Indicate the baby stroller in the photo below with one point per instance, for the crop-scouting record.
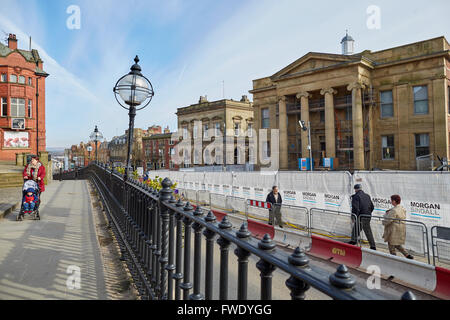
(37, 193)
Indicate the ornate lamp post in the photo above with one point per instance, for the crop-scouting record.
(134, 90)
(305, 128)
(96, 136)
(89, 149)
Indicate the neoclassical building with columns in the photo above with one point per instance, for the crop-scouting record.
(368, 110)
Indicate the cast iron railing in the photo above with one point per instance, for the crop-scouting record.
(154, 235)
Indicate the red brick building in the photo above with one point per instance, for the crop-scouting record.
(157, 152)
(22, 101)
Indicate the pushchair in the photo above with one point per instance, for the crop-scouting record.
(37, 192)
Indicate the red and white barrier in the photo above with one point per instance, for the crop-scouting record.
(435, 280)
(259, 204)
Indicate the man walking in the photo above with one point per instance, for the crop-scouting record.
(362, 205)
(274, 198)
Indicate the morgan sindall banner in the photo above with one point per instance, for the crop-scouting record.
(425, 195)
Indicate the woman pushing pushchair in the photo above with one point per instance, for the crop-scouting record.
(33, 175)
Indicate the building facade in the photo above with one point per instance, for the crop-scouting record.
(22, 101)
(118, 147)
(382, 109)
(206, 122)
(157, 152)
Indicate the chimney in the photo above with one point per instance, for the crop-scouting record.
(12, 41)
(244, 99)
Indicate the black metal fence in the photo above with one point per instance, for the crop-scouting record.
(154, 234)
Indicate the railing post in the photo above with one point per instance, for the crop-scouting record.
(154, 246)
(266, 268)
(209, 268)
(224, 247)
(342, 279)
(171, 266)
(187, 285)
(242, 255)
(179, 255)
(164, 197)
(148, 241)
(196, 295)
(298, 287)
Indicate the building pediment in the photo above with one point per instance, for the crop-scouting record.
(314, 62)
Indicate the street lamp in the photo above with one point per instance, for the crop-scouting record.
(304, 128)
(89, 149)
(95, 136)
(134, 90)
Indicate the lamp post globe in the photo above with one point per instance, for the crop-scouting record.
(133, 92)
(89, 149)
(96, 136)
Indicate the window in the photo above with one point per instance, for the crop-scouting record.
(250, 130)
(420, 100)
(17, 107)
(194, 131)
(4, 107)
(3, 77)
(265, 121)
(30, 82)
(22, 79)
(217, 129)
(205, 130)
(387, 145)
(386, 104)
(172, 151)
(448, 100)
(13, 78)
(422, 144)
(322, 116)
(171, 166)
(236, 129)
(185, 133)
(30, 109)
(348, 113)
(266, 150)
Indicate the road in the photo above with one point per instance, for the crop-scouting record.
(37, 258)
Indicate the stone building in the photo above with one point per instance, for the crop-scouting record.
(206, 121)
(22, 101)
(380, 109)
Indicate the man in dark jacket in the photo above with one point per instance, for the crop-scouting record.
(274, 198)
(362, 205)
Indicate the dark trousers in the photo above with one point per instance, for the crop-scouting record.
(364, 224)
(275, 214)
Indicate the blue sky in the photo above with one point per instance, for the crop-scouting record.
(188, 47)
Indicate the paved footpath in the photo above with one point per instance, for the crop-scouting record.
(37, 258)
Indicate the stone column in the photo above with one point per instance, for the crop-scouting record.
(304, 96)
(282, 125)
(357, 124)
(330, 135)
(438, 105)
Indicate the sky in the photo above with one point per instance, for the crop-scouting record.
(190, 48)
